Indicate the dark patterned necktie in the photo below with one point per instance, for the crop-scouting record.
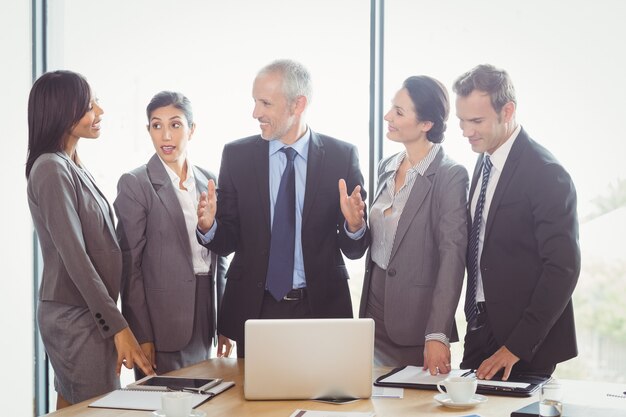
(471, 310)
(283, 240)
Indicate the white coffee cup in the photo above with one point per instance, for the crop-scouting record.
(176, 404)
(460, 389)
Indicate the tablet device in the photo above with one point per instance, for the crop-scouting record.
(178, 383)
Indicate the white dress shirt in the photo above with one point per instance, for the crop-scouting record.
(498, 159)
(188, 200)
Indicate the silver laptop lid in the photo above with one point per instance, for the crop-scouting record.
(308, 358)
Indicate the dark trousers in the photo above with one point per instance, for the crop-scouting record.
(480, 344)
(283, 309)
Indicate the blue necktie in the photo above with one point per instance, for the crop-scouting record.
(283, 241)
(471, 310)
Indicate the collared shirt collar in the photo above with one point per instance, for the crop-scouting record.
(301, 145)
(188, 182)
(498, 158)
(420, 167)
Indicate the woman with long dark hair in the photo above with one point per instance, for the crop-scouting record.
(85, 335)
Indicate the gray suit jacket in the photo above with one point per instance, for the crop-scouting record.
(426, 267)
(82, 262)
(159, 285)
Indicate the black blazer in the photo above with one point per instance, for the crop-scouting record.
(243, 227)
(530, 260)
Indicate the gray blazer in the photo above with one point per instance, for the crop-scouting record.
(159, 285)
(82, 262)
(427, 263)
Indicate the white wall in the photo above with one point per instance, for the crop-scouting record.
(16, 306)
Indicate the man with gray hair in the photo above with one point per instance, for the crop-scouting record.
(284, 208)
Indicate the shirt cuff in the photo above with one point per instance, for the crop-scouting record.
(440, 337)
(208, 236)
(356, 235)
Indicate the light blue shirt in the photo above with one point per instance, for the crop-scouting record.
(277, 164)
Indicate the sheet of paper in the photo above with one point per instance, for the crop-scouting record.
(417, 375)
(316, 413)
(387, 392)
(507, 384)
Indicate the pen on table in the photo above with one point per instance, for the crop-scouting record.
(192, 390)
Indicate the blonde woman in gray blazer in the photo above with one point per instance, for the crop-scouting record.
(415, 266)
(86, 337)
(171, 283)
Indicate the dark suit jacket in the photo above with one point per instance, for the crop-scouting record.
(158, 284)
(243, 227)
(427, 262)
(530, 260)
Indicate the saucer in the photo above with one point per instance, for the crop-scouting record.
(444, 400)
(194, 413)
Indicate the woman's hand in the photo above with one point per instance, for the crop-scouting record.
(436, 357)
(150, 352)
(224, 346)
(130, 353)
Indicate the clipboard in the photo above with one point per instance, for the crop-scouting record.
(518, 385)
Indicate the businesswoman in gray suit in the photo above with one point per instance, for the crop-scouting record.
(171, 284)
(415, 266)
(86, 337)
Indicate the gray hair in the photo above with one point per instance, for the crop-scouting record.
(296, 78)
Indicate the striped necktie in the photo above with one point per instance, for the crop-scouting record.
(471, 310)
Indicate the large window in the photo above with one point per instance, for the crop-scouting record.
(566, 60)
(567, 63)
(210, 51)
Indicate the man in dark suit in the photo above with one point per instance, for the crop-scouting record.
(327, 221)
(523, 254)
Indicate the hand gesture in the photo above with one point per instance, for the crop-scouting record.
(207, 206)
(129, 352)
(352, 206)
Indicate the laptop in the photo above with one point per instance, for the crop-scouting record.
(571, 410)
(293, 359)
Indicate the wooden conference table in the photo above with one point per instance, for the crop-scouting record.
(414, 403)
